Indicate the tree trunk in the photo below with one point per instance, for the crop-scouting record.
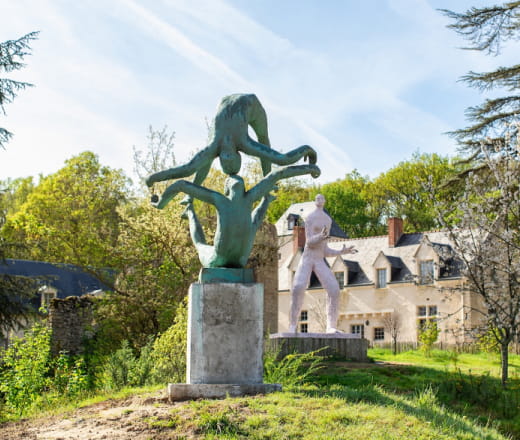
(395, 346)
(504, 354)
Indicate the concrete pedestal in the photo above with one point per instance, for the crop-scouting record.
(225, 342)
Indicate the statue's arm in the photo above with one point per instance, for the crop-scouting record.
(200, 162)
(195, 191)
(259, 213)
(344, 250)
(316, 238)
(269, 181)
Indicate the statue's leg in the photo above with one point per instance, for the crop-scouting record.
(201, 161)
(300, 283)
(266, 153)
(330, 284)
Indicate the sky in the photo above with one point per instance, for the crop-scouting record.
(366, 83)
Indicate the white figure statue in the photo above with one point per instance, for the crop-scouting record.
(317, 230)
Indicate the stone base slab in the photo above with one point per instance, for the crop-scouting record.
(343, 345)
(316, 335)
(185, 391)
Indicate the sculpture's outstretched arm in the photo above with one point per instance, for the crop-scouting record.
(268, 182)
(195, 191)
(266, 153)
(345, 250)
(200, 164)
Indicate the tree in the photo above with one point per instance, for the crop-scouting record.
(484, 228)
(154, 254)
(405, 190)
(348, 204)
(495, 123)
(12, 53)
(392, 324)
(289, 191)
(71, 216)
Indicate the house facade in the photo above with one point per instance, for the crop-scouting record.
(395, 280)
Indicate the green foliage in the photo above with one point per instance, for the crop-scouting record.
(169, 350)
(348, 203)
(289, 191)
(12, 54)
(25, 367)
(123, 368)
(158, 263)
(428, 334)
(72, 215)
(361, 206)
(70, 375)
(405, 190)
(293, 370)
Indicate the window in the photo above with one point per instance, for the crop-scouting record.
(379, 333)
(340, 277)
(426, 272)
(47, 296)
(358, 329)
(304, 325)
(381, 278)
(426, 314)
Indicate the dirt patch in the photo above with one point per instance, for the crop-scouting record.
(135, 418)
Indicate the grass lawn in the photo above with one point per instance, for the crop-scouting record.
(445, 396)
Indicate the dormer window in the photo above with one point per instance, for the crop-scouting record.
(340, 277)
(426, 272)
(292, 221)
(381, 278)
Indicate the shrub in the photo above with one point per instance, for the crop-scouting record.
(26, 364)
(169, 350)
(429, 332)
(292, 370)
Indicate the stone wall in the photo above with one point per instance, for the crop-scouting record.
(264, 262)
(71, 322)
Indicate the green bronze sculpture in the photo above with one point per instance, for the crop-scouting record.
(229, 137)
(237, 219)
(236, 224)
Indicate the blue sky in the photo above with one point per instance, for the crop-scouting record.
(366, 83)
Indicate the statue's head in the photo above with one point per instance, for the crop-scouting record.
(319, 200)
(234, 184)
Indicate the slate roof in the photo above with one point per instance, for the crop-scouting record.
(401, 258)
(67, 279)
(303, 210)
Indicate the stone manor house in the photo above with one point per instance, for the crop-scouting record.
(404, 275)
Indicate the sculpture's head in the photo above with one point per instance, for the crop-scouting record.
(319, 200)
(234, 185)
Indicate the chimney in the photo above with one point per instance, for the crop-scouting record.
(298, 238)
(395, 230)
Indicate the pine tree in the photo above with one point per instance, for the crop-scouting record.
(494, 123)
(12, 53)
